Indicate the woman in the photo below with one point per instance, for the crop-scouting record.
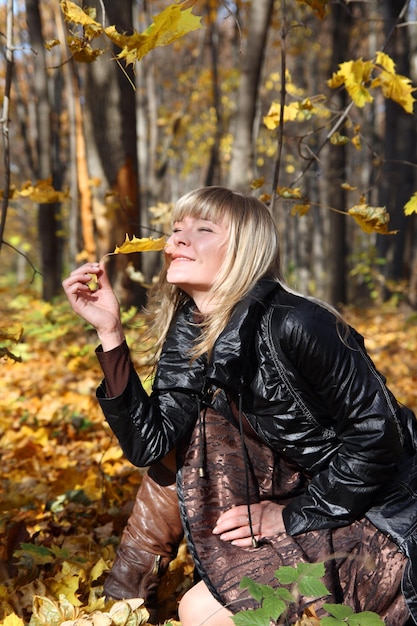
(289, 447)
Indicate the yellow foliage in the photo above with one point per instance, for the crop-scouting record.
(257, 183)
(411, 206)
(169, 25)
(309, 618)
(397, 88)
(144, 244)
(300, 209)
(358, 78)
(42, 192)
(81, 51)
(289, 193)
(273, 118)
(13, 620)
(63, 613)
(85, 18)
(371, 219)
(319, 6)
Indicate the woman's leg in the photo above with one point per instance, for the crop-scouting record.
(199, 608)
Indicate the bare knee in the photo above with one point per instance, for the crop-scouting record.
(199, 608)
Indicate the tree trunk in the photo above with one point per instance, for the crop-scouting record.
(48, 162)
(336, 172)
(397, 177)
(111, 102)
(241, 166)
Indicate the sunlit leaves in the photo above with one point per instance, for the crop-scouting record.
(48, 612)
(319, 7)
(360, 77)
(144, 244)
(371, 219)
(172, 23)
(411, 206)
(41, 192)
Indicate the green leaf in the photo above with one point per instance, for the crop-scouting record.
(284, 595)
(286, 575)
(311, 569)
(367, 618)
(331, 621)
(256, 617)
(312, 588)
(256, 590)
(340, 611)
(274, 607)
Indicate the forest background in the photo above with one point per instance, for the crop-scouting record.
(111, 114)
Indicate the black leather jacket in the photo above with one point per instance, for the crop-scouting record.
(309, 390)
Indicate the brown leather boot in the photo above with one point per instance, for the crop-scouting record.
(149, 541)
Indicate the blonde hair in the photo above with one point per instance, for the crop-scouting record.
(252, 252)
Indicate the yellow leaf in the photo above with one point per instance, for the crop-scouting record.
(66, 583)
(411, 206)
(81, 51)
(100, 567)
(257, 183)
(339, 140)
(348, 187)
(51, 43)
(385, 61)
(289, 193)
(397, 88)
(273, 117)
(42, 192)
(308, 618)
(371, 219)
(319, 6)
(355, 75)
(300, 209)
(172, 23)
(74, 13)
(140, 245)
(12, 620)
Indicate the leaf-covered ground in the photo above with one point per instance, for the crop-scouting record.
(65, 488)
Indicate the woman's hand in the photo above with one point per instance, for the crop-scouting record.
(233, 525)
(99, 308)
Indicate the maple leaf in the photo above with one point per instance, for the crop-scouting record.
(144, 244)
(290, 193)
(397, 88)
(371, 219)
(273, 118)
(42, 192)
(81, 51)
(77, 15)
(319, 6)
(354, 75)
(300, 209)
(411, 205)
(172, 23)
(13, 620)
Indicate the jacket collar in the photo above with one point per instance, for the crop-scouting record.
(234, 350)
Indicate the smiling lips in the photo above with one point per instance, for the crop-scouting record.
(180, 258)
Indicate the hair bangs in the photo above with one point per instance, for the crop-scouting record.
(209, 203)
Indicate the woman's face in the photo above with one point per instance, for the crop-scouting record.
(195, 253)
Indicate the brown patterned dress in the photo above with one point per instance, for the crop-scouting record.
(363, 567)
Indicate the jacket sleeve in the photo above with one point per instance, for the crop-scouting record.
(333, 366)
(150, 426)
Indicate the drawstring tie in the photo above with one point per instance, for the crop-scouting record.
(202, 437)
(255, 543)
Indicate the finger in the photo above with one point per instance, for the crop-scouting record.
(235, 513)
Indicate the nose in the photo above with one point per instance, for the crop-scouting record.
(179, 237)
